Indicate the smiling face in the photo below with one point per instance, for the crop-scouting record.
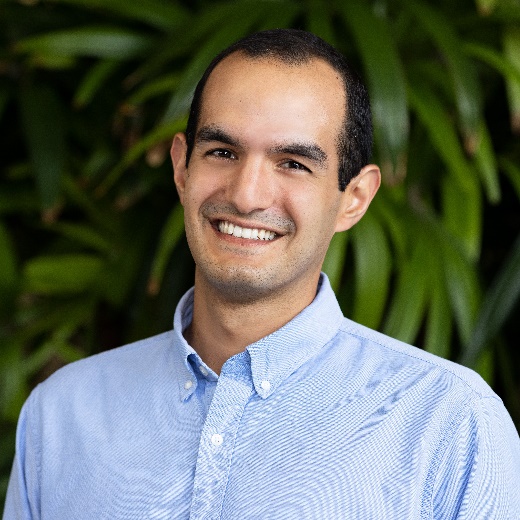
(260, 194)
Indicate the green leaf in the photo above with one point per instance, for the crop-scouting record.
(101, 159)
(487, 164)
(280, 17)
(43, 123)
(62, 274)
(507, 373)
(373, 266)
(14, 387)
(185, 41)
(56, 348)
(100, 42)
(439, 316)
(118, 279)
(93, 81)
(441, 130)
(162, 132)
(466, 86)
(462, 214)
(512, 51)
(507, 11)
(486, 7)
(485, 366)
(409, 303)
(335, 259)
(462, 286)
(84, 235)
(319, 20)
(395, 217)
(166, 83)
(8, 271)
(512, 171)
(156, 13)
(96, 213)
(500, 62)
(496, 307)
(18, 200)
(170, 235)
(42, 318)
(385, 79)
(462, 204)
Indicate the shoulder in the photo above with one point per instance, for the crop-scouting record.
(109, 371)
(397, 355)
(455, 410)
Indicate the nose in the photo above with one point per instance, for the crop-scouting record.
(252, 186)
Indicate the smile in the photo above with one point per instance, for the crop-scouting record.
(242, 232)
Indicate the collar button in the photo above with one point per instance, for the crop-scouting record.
(265, 385)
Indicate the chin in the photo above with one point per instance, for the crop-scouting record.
(241, 284)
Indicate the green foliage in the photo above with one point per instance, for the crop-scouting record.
(92, 250)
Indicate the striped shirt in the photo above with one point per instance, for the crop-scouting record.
(323, 419)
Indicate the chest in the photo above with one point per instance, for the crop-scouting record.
(301, 453)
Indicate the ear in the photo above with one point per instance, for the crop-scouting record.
(178, 155)
(357, 197)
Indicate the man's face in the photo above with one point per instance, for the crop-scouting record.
(260, 194)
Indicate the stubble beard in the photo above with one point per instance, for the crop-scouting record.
(238, 284)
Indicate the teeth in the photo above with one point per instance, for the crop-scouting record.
(240, 232)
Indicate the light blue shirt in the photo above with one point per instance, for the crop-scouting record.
(323, 419)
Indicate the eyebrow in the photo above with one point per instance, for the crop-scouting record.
(214, 133)
(312, 152)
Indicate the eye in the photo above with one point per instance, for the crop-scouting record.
(221, 153)
(294, 165)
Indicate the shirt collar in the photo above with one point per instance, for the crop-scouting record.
(182, 351)
(276, 356)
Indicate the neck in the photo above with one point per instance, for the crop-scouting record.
(222, 328)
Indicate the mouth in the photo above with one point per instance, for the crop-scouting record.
(228, 228)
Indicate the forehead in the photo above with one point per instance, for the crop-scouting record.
(275, 98)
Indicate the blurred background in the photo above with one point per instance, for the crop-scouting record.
(92, 249)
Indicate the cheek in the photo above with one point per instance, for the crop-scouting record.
(199, 188)
(315, 209)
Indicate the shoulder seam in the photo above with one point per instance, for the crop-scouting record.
(344, 327)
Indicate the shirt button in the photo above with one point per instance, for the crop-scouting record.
(203, 370)
(188, 384)
(266, 385)
(216, 439)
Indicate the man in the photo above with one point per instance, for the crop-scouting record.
(264, 402)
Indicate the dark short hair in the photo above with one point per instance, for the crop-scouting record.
(296, 47)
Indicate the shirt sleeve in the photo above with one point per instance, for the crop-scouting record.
(23, 489)
(479, 474)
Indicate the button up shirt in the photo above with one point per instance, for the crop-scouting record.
(322, 419)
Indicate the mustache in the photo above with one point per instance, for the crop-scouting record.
(212, 210)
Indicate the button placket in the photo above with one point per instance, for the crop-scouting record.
(216, 445)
